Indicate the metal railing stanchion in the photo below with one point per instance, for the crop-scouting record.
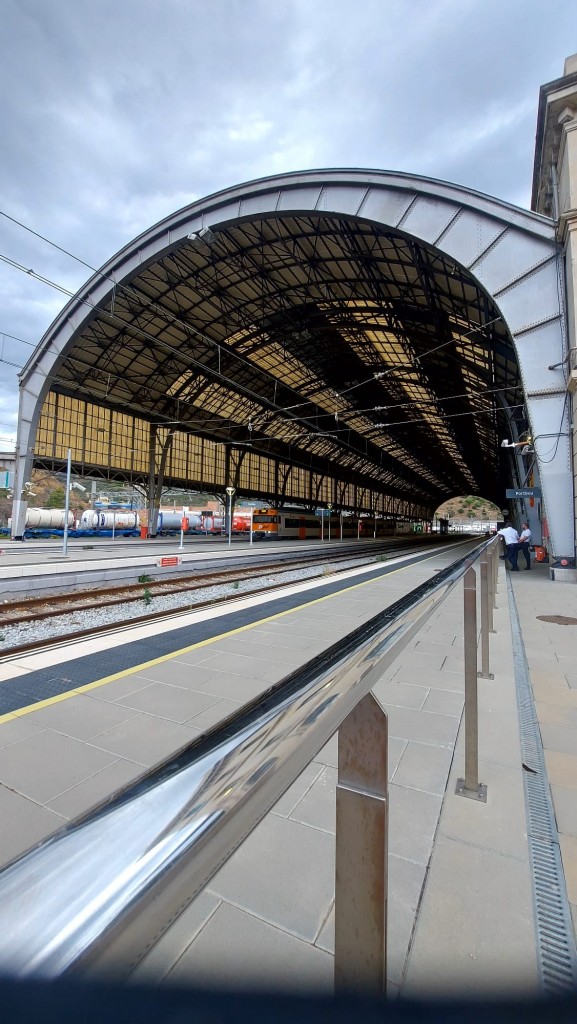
(490, 555)
(361, 850)
(486, 617)
(470, 786)
(495, 548)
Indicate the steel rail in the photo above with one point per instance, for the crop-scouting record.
(51, 605)
(97, 896)
(106, 629)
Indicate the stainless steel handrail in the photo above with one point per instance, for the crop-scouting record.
(98, 894)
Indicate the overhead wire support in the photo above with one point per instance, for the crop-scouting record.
(136, 296)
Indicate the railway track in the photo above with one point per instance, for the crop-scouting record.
(37, 610)
(33, 608)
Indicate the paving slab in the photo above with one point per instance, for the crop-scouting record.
(444, 702)
(44, 766)
(424, 766)
(236, 950)
(284, 874)
(500, 824)
(80, 798)
(422, 726)
(475, 933)
(401, 695)
(562, 768)
(145, 739)
(29, 823)
(317, 806)
(565, 804)
(171, 947)
(166, 701)
(413, 817)
(81, 717)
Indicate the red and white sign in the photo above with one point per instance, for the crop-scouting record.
(167, 560)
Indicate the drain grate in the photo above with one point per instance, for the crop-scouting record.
(556, 952)
(559, 620)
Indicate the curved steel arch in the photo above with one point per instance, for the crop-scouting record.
(511, 253)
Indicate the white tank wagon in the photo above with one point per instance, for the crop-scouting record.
(122, 519)
(47, 518)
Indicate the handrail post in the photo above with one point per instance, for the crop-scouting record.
(495, 549)
(361, 850)
(486, 617)
(470, 786)
(488, 555)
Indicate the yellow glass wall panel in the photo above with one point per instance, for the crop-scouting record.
(113, 440)
(45, 434)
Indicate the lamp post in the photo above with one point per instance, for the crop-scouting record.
(341, 523)
(229, 493)
(330, 508)
(251, 523)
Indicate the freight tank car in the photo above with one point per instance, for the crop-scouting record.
(48, 518)
(95, 519)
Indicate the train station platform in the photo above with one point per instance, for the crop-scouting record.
(461, 893)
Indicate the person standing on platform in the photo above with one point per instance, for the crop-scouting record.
(511, 541)
(525, 543)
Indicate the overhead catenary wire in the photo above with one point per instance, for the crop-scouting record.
(187, 360)
(170, 318)
(378, 375)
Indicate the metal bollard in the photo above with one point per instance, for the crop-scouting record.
(495, 551)
(470, 786)
(486, 618)
(361, 850)
(491, 582)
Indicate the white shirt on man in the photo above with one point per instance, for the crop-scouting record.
(525, 536)
(509, 535)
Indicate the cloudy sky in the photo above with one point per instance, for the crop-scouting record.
(117, 112)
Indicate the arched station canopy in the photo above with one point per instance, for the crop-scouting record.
(319, 337)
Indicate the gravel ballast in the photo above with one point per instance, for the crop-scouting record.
(93, 618)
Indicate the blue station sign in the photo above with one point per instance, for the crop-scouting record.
(523, 492)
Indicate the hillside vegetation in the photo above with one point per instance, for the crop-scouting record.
(469, 507)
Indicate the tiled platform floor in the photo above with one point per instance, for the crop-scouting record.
(460, 912)
(552, 656)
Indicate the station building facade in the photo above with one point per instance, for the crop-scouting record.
(555, 196)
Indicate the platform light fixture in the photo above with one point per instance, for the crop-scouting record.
(205, 235)
(525, 444)
(229, 493)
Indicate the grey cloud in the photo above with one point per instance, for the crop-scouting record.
(116, 113)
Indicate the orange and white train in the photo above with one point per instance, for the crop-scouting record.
(298, 524)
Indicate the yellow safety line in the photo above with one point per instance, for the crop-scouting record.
(192, 647)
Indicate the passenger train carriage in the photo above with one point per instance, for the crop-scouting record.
(299, 524)
(272, 524)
